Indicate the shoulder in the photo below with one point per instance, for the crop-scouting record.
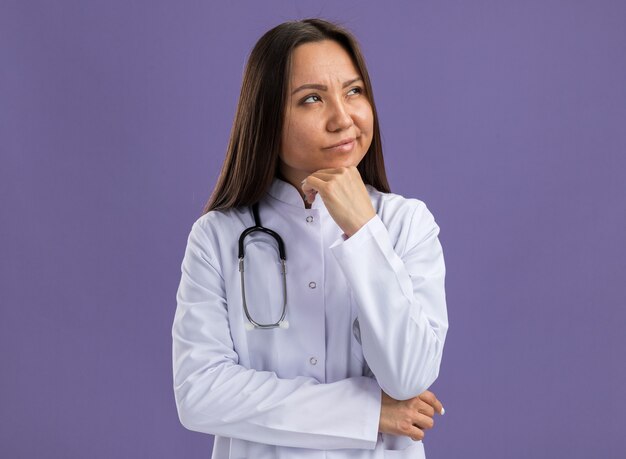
(221, 219)
(216, 227)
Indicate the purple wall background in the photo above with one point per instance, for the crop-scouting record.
(507, 118)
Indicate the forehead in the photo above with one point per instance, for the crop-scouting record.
(315, 61)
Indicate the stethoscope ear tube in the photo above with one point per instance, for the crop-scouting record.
(258, 227)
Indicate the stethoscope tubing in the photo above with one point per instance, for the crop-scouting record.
(281, 323)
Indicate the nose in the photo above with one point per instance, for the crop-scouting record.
(339, 118)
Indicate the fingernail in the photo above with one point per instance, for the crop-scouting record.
(443, 411)
(303, 181)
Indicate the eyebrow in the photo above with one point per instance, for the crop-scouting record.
(322, 87)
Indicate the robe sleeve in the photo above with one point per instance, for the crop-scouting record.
(401, 301)
(216, 395)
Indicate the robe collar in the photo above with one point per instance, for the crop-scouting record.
(288, 194)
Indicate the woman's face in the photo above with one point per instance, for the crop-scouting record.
(326, 104)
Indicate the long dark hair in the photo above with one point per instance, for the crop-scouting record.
(251, 161)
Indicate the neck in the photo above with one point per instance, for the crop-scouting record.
(295, 182)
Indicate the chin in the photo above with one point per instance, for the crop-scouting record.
(340, 162)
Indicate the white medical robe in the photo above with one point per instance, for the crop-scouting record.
(365, 313)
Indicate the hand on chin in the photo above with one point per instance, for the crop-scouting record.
(344, 195)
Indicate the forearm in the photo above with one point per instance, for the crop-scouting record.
(401, 306)
(258, 406)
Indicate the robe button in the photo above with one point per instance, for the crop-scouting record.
(309, 218)
(312, 284)
(313, 361)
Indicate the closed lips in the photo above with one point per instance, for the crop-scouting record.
(342, 142)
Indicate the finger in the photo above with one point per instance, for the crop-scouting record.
(425, 408)
(311, 184)
(428, 397)
(439, 408)
(432, 400)
(323, 176)
(436, 404)
(423, 422)
(310, 197)
(416, 434)
(326, 176)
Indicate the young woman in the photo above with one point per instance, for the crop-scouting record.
(311, 313)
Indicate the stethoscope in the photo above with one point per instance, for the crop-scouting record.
(252, 324)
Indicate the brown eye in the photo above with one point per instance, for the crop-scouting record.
(304, 101)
